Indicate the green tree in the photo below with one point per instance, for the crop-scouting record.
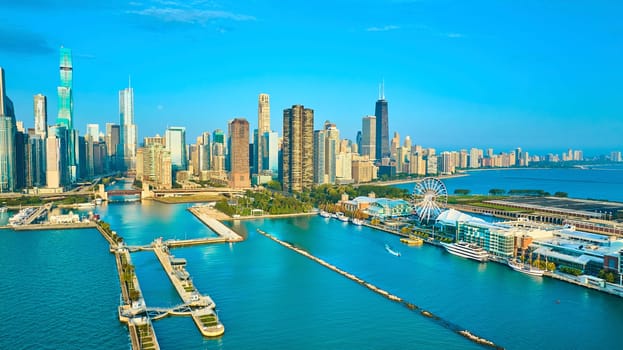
(561, 194)
(496, 191)
(462, 192)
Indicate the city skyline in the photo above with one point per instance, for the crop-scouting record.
(506, 83)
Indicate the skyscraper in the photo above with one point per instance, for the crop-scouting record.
(263, 126)
(368, 137)
(175, 137)
(41, 115)
(297, 149)
(7, 140)
(65, 115)
(113, 138)
(238, 140)
(332, 139)
(319, 157)
(382, 126)
(127, 130)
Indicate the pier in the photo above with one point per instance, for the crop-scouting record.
(204, 214)
(132, 310)
(447, 324)
(201, 307)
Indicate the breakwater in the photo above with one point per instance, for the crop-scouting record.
(443, 322)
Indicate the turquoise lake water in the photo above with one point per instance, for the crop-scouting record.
(60, 290)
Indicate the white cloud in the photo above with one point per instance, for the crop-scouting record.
(190, 16)
(383, 29)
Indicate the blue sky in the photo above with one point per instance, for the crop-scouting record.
(544, 75)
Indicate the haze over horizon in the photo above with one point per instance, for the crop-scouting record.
(484, 73)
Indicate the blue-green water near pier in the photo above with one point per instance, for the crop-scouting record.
(60, 290)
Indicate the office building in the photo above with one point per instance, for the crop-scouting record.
(8, 171)
(297, 149)
(65, 116)
(319, 157)
(270, 153)
(263, 126)
(113, 145)
(41, 115)
(238, 142)
(382, 126)
(175, 138)
(128, 131)
(332, 146)
(368, 137)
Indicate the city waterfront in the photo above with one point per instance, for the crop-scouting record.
(596, 182)
(271, 297)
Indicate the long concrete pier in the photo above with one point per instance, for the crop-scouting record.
(132, 311)
(202, 306)
(205, 215)
(455, 328)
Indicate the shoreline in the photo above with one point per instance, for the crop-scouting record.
(406, 181)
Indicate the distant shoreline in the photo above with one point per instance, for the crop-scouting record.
(406, 181)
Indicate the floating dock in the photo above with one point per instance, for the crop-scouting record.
(201, 306)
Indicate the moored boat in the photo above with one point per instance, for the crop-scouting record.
(324, 214)
(412, 241)
(341, 216)
(356, 221)
(467, 250)
(525, 268)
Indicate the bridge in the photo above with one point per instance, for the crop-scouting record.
(124, 192)
(177, 243)
(157, 313)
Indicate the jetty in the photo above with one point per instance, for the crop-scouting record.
(205, 214)
(447, 324)
(132, 310)
(201, 307)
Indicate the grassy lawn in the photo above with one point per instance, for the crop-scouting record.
(190, 198)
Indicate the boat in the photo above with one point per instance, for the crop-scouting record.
(525, 268)
(356, 221)
(412, 241)
(467, 250)
(341, 216)
(391, 251)
(324, 214)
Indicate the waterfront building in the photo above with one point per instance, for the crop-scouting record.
(615, 156)
(431, 164)
(41, 115)
(128, 131)
(368, 137)
(8, 171)
(447, 163)
(384, 208)
(154, 164)
(319, 157)
(332, 139)
(363, 169)
(113, 138)
(263, 126)
(238, 142)
(175, 138)
(343, 168)
(270, 153)
(36, 158)
(475, 155)
(417, 164)
(382, 126)
(297, 149)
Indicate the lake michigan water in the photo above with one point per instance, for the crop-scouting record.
(60, 289)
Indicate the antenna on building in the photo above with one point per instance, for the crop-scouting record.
(383, 89)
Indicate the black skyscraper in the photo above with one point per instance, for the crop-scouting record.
(382, 127)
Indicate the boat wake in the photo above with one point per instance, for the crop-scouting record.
(391, 251)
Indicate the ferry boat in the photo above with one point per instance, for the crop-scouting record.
(391, 251)
(525, 268)
(467, 250)
(412, 241)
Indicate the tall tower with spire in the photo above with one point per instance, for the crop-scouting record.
(128, 133)
(382, 125)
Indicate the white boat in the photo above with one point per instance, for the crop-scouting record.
(324, 214)
(341, 216)
(467, 250)
(356, 221)
(391, 251)
(525, 268)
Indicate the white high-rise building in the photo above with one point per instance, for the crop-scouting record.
(128, 132)
(41, 115)
(263, 126)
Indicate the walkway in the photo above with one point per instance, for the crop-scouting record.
(207, 216)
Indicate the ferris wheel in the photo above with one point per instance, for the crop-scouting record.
(429, 197)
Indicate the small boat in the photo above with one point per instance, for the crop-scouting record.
(525, 268)
(324, 214)
(412, 241)
(341, 216)
(356, 221)
(391, 251)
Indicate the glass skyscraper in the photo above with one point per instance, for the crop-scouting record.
(128, 132)
(175, 137)
(7, 140)
(65, 115)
